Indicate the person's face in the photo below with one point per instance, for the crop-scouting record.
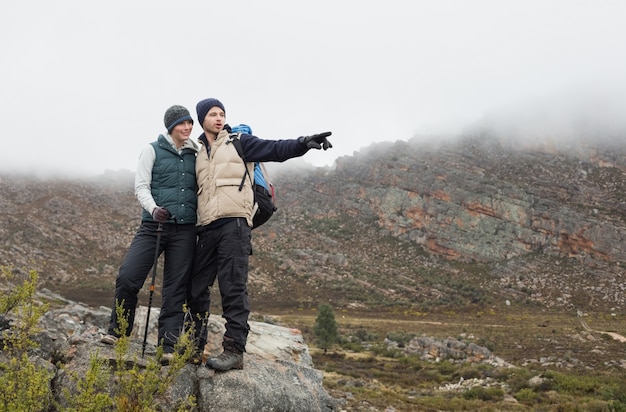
(214, 120)
(181, 132)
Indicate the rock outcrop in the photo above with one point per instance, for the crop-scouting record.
(278, 373)
(478, 199)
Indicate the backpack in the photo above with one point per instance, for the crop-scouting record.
(264, 194)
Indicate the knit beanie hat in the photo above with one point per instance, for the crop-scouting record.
(203, 107)
(175, 115)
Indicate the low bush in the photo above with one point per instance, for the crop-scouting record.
(125, 386)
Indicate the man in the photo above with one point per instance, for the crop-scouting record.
(225, 211)
(165, 185)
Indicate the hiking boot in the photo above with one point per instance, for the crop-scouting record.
(227, 360)
(109, 339)
(166, 358)
(231, 358)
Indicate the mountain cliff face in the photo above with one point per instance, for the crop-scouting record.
(405, 226)
(478, 200)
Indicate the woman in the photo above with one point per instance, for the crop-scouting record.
(165, 185)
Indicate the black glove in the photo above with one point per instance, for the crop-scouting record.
(160, 214)
(316, 141)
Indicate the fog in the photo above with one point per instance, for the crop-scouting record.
(582, 114)
(85, 85)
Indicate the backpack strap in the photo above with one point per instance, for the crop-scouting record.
(234, 139)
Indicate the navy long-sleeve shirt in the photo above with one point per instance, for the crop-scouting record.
(262, 150)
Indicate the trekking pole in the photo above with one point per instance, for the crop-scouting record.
(154, 271)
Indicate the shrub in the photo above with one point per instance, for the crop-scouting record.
(25, 384)
(526, 396)
(92, 393)
(128, 386)
(469, 372)
(574, 384)
(401, 337)
(484, 394)
(616, 406)
(365, 336)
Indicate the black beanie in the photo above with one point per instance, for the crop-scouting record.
(175, 115)
(203, 107)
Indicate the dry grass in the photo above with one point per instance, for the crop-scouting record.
(536, 343)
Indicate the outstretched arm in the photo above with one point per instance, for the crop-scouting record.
(261, 150)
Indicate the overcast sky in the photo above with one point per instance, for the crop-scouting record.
(84, 85)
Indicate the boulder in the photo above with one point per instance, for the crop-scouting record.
(278, 372)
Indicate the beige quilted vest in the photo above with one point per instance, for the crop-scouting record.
(219, 177)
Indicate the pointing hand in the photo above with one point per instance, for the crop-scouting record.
(317, 141)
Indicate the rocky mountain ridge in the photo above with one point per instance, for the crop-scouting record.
(407, 225)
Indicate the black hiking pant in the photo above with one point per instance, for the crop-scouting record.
(222, 253)
(178, 243)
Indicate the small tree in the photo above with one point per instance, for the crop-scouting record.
(326, 327)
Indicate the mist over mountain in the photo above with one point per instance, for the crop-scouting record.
(585, 114)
